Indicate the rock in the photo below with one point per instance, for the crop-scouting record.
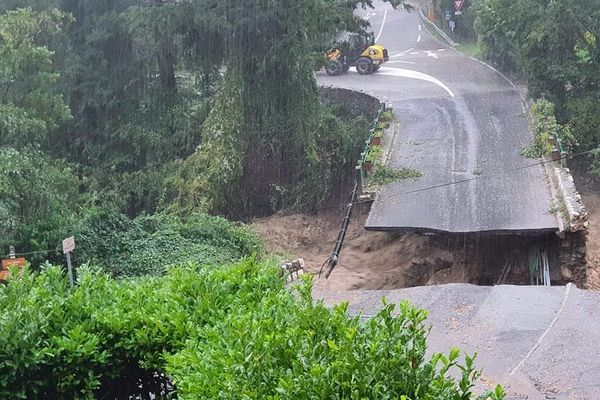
(566, 273)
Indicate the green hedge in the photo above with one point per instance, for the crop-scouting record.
(148, 244)
(544, 127)
(228, 333)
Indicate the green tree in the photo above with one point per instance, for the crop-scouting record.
(38, 196)
(554, 45)
(31, 106)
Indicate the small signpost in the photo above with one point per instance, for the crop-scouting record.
(13, 261)
(458, 4)
(68, 246)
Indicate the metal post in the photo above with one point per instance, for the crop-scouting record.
(359, 179)
(70, 268)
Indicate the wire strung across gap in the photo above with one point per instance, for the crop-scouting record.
(498, 174)
(29, 253)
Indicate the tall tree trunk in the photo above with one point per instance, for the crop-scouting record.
(166, 60)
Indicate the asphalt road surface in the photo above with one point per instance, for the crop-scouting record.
(457, 120)
(538, 342)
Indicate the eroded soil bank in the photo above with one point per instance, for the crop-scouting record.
(381, 260)
(589, 188)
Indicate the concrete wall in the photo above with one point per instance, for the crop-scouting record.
(355, 103)
(572, 256)
(574, 219)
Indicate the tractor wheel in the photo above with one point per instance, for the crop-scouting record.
(364, 66)
(376, 68)
(345, 68)
(334, 67)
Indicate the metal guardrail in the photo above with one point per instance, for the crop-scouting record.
(437, 29)
(365, 153)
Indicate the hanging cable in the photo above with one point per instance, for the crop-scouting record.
(333, 259)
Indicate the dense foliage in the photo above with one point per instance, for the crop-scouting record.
(149, 244)
(546, 130)
(31, 107)
(34, 192)
(232, 332)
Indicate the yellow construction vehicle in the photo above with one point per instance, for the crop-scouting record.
(355, 50)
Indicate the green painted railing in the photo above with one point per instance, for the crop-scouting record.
(365, 153)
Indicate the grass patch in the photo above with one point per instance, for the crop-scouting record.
(384, 175)
(470, 49)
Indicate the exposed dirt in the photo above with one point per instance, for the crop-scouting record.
(380, 260)
(589, 188)
(592, 203)
(369, 260)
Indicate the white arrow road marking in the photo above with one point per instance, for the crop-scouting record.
(418, 38)
(382, 25)
(431, 54)
(420, 27)
(402, 53)
(407, 73)
(441, 49)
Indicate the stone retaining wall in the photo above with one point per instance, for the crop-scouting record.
(573, 258)
(573, 222)
(354, 102)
